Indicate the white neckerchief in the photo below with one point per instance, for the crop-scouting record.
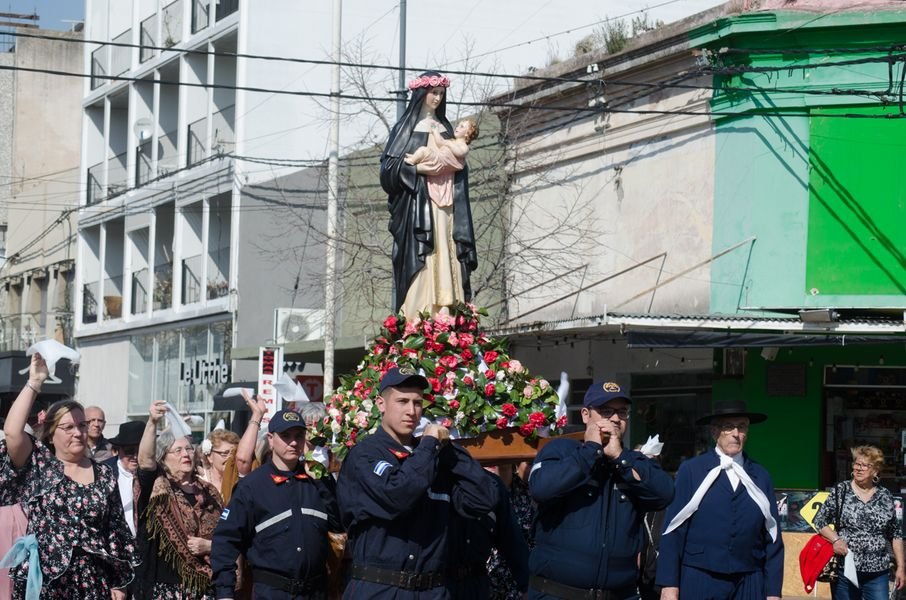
(731, 473)
(125, 484)
(732, 466)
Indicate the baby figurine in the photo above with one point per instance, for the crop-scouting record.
(441, 156)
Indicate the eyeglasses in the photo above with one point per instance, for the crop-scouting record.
(861, 466)
(223, 453)
(181, 449)
(729, 427)
(607, 412)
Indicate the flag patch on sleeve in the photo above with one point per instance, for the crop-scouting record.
(381, 467)
(225, 514)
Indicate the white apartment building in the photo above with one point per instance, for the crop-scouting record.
(172, 233)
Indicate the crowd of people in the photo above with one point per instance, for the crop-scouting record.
(147, 515)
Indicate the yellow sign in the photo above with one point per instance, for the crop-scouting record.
(810, 508)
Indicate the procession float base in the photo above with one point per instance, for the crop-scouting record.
(508, 446)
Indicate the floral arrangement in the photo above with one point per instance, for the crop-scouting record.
(475, 385)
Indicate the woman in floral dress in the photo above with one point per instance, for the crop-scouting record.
(178, 514)
(84, 546)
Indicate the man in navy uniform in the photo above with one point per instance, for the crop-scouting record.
(398, 495)
(591, 498)
(722, 539)
(278, 518)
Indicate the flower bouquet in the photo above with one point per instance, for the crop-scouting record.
(475, 386)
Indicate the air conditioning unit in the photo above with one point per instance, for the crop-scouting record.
(298, 324)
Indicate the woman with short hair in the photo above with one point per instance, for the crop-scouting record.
(867, 527)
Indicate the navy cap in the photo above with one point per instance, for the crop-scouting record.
(600, 394)
(402, 376)
(285, 419)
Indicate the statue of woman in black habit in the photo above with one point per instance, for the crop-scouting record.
(433, 239)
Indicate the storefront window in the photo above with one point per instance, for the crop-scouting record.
(183, 366)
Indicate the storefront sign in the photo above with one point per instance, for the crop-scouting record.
(204, 372)
(811, 507)
(270, 365)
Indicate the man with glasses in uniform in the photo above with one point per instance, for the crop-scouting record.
(592, 496)
(722, 539)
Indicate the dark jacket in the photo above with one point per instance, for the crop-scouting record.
(727, 533)
(589, 529)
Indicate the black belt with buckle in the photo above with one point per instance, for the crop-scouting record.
(568, 592)
(288, 584)
(407, 580)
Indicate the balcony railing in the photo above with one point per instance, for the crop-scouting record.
(117, 176)
(191, 280)
(90, 293)
(226, 7)
(143, 172)
(95, 184)
(139, 292)
(19, 332)
(218, 273)
(197, 136)
(201, 17)
(99, 60)
(121, 56)
(223, 135)
(171, 24)
(162, 297)
(148, 39)
(167, 159)
(113, 297)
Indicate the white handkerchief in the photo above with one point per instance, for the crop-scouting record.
(177, 425)
(653, 446)
(849, 568)
(290, 389)
(237, 391)
(52, 351)
(319, 453)
(562, 394)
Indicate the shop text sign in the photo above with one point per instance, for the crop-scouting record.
(204, 372)
(270, 365)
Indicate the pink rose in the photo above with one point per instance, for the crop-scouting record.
(449, 361)
(391, 323)
(434, 81)
(515, 366)
(528, 391)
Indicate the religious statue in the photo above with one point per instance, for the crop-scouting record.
(424, 173)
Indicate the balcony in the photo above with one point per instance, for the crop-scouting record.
(148, 39)
(95, 187)
(117, 176)
(162, 297)
(171, 24)
(113, 297)
(201, 17)
(99, 60)
(226, 7)
(143, 173)
(191, 280)
(167, 159)
(19, 332)
(139, 292)
(223, 135)
(121, 56)
(90, 293)
(197, 147)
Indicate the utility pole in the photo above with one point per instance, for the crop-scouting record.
(333, 188)
(401, 80)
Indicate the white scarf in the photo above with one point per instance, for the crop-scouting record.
(734, 470)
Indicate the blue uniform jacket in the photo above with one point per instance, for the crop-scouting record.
(281, 527)
(397, 506)
(727, 533)
(473, 538)
(589, 529)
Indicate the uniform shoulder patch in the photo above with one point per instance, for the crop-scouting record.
(225, 514)
(381, 467)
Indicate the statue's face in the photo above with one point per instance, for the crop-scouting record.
(435, 97)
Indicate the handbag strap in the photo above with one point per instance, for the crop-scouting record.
(841, 500)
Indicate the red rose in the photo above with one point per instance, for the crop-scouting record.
(527, 429)
(490, 356)
(538, 419)
(508, 409)
(491, 374)
(352, 434)
(439, 370)
(490, 390)
(391, 323)
(468, 380)
(435, 384)
(502, 422)
(450, 361)
(466, 340)
(467, 354)
(561, 422)
(429, 398)
(454, 404)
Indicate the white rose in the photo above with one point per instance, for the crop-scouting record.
(335, 427)
(368, 404)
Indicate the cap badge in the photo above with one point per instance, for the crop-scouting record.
(611, 387)
(407, 371)
(290, 416)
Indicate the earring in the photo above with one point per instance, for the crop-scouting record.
(875, 479)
